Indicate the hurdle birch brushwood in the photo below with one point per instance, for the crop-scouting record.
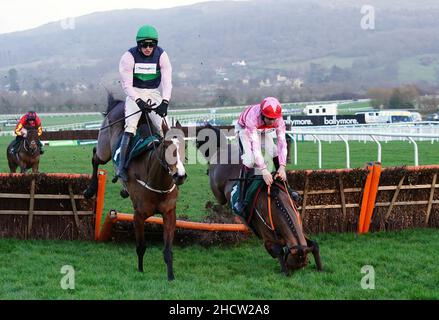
(45, 206)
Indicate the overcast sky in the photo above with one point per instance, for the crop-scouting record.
(18, 15)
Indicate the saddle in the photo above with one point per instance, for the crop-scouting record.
(253, 190)
(144, 139)
(141, 143)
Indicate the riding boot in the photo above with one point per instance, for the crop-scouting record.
(16, 145)
(241, 204)
(121, 170)
(41, 147)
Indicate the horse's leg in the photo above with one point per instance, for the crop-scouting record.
(168, 237)
(12, 165)
(35, 167)
(93, 187)
(315, 252)
(139, 221)
(276, 251)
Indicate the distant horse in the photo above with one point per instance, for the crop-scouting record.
(152, 179)
(281, 230)
(27, 154)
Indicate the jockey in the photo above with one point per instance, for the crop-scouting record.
(143, 69)
(256, 122)
(30, 119)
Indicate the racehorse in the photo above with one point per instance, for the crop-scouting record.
(26, 154)
(153, 178)
(274, 217)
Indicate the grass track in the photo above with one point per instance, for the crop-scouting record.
(405, 262)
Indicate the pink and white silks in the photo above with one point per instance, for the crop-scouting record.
(253, 134)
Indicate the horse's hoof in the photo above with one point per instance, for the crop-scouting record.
(124, 194)
(171, 278)
(114, 180)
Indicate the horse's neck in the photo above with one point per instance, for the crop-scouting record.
(291, 233)
(22, 146)
(157, 176)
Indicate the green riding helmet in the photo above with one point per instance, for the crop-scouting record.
(147, 32)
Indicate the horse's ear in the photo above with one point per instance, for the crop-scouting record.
(165, 128)
(178, 125)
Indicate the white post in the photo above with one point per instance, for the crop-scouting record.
(295, 150)
(416, 151)
(379, 147)
(348, 159)
(320, 150)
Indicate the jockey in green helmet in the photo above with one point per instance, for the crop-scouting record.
(143, 69)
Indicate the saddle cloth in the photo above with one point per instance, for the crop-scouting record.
(252, 191)
(249, 196)
(138, 145)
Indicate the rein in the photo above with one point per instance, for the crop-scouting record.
(25, 146)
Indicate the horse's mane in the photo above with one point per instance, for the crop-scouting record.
(220, 136)
(111, 102)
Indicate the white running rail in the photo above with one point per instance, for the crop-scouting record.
(346, 136)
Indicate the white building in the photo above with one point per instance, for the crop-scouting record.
(329, 109)
(239, 63)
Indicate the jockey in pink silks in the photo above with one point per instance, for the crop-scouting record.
(257, 126)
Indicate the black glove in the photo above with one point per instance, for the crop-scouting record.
(143, 105)
(162, 109)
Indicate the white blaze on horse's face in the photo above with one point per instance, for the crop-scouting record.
(173, 158)
(180, 167)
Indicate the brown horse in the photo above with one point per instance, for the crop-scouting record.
(27, 154)
(281, 230)
(153, 179)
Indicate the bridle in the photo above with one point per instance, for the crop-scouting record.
(26, 145)
(161, 160)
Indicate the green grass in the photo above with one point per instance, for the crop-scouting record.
(411, 69)
(290, 63)
(405, 262)
(405, 265)
(60, 120)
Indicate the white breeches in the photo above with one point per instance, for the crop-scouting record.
(267, 144)
(131, 107)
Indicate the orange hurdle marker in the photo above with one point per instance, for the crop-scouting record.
(102, 179)
(372, 196)
(364, 201)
